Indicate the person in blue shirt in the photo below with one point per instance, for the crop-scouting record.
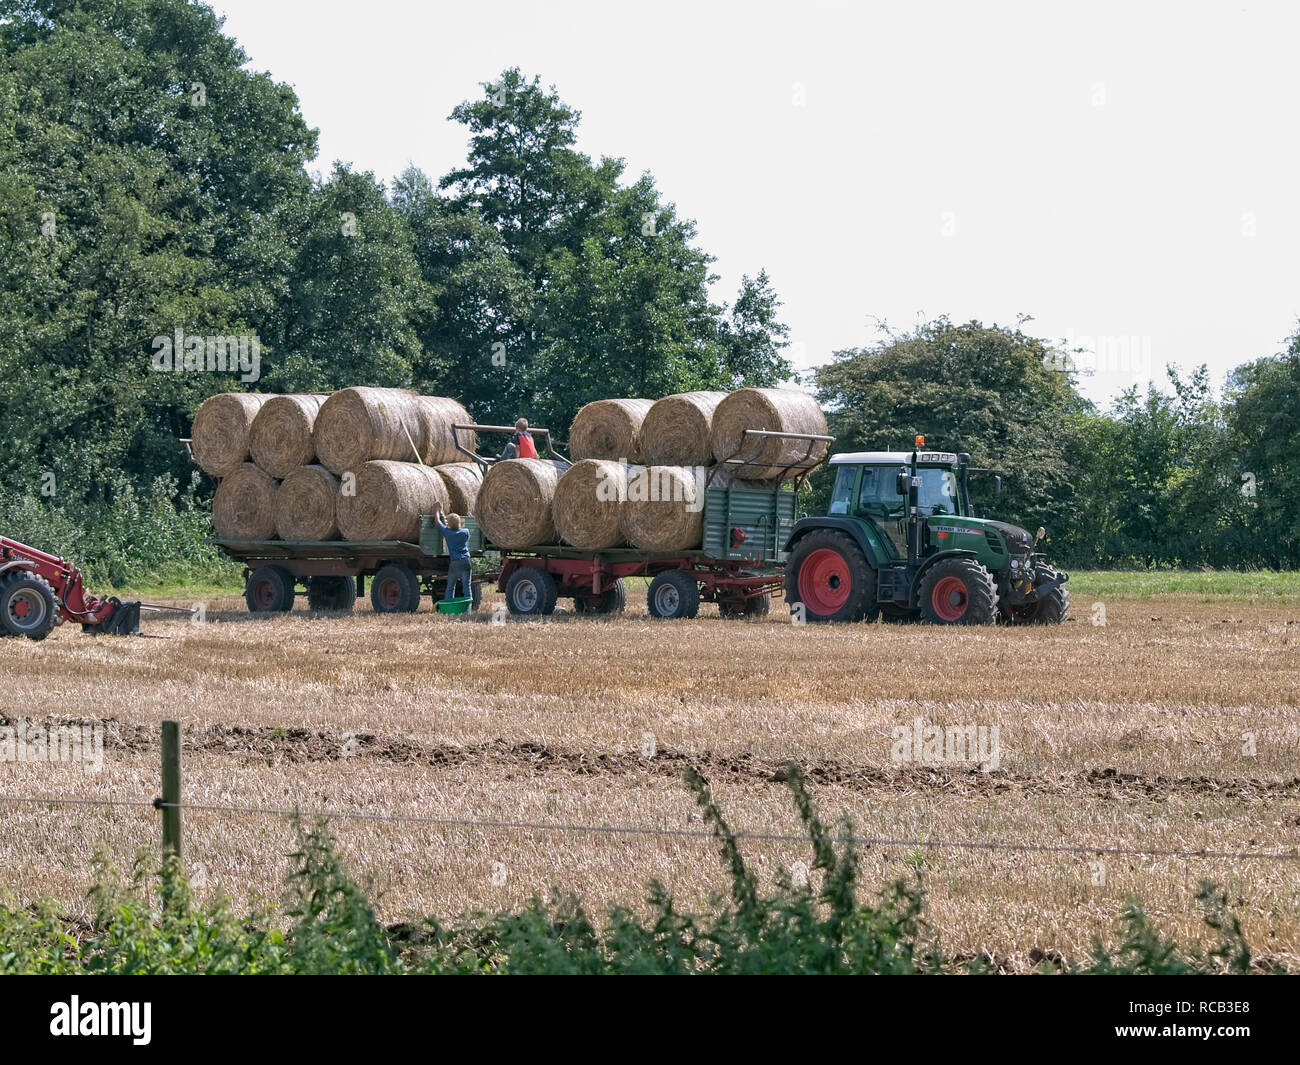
(457, 540)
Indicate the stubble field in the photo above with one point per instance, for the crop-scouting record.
(1172, 727)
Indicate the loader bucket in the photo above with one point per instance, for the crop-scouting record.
(123, 621)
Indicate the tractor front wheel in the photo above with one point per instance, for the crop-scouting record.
(27, 606)
(958, 591)
(830, 576)
(1051, 609)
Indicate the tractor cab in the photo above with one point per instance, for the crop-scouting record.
(902, 540)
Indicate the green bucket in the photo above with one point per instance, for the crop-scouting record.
(454, 606)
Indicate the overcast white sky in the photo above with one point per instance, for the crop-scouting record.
(1127, 171)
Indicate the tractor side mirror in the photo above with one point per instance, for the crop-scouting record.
(997, 487)
(902, 484)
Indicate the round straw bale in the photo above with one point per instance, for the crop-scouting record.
(781, 410)
(676, 430)
(280, 437)
(440, 414)
(305, 505)
(220, 433)
(514, 503)
(463, 480)
(665, 508)
(357, 425)
(608, 429)
(387, 500)
(243, 507)
(588, 502)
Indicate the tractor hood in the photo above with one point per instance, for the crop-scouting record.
(1016, 537)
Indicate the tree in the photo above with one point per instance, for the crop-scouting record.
(1264, 417)
(148, 172)
(987, 390)
(354, 289)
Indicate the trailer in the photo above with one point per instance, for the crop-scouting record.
(333, 573)
(738, 566)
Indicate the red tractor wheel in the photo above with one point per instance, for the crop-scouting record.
(958, 591)
(27, 606)
(830, 576)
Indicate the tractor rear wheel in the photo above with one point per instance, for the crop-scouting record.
(831, 577)
(1051, 609)
(611, 601)
(269, 590)
(332, 594)
(531, 591)
(395, 589)
(958, 591)
(27, 606)
(673, 594)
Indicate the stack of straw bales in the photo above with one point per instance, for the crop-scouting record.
(367, 463)
(360, 464)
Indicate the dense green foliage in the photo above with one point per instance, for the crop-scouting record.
(1175, 478)
(151, 181)
(812, 924)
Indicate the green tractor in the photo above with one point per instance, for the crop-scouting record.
(901, 541)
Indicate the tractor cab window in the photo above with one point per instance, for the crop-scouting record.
(842, 493)
(878, 497)
(938, 493)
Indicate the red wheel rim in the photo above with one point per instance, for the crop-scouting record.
(949, 598)
(264, 594)
(824, 581)
(390, 593)
(22, 608)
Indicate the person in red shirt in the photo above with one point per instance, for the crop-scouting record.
(521, 445)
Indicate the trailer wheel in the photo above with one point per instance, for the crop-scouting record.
(531, 591)
(395, 589)
(831, 577)
(958, 591)
(332, 594)
(611, 601)
(756, 606)
(673, 594)
(269, 589)
(27, 606)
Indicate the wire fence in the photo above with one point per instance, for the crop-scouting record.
(647, 830)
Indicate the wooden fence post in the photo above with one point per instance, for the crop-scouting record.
(171, 788)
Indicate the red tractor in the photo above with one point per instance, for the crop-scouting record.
(39, 591)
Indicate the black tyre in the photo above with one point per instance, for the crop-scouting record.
(829, 574)
(269, 590)
(611, 601)
(1051, 609)
(756, 606)
(673, 594)
(395, 589)
(530, 591)
(958, 591)
(332, 594)
(27, 606)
